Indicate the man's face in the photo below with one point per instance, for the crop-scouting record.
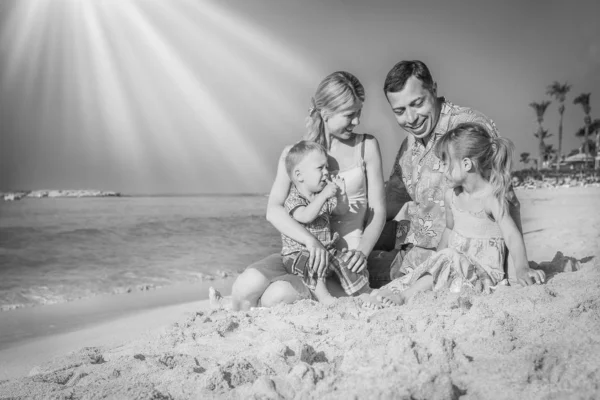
(415, 108)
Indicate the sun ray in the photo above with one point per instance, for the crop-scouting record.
(231, 142)
(116, 111)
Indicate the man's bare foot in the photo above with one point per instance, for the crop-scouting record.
(217, 301)
(391, 298)
(322, 294)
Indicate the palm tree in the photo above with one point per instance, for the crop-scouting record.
(584, 100)
(549, 153)
(525, 159)
(559, 92)
(540, 109)
(594, 128)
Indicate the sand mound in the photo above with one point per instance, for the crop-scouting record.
(539, 342)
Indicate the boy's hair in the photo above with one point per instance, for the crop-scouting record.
(298, 152)
(488, 153)
(399, 74)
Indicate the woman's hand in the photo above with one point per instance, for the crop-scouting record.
(355, 260)
(318, 256)
(527, 276)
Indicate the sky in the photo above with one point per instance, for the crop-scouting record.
(201, 96)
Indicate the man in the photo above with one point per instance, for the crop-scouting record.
(415, 190)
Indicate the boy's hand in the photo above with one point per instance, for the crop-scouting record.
(330, 190)
(527, 276)
(340, 182)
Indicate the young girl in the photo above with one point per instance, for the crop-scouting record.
(478, 224)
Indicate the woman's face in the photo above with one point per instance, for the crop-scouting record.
(342, 124)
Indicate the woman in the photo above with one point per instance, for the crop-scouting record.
(333, 115)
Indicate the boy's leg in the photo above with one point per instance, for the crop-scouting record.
(352, 282)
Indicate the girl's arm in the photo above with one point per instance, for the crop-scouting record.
(284, 223)
(449, 220)
(515, 243)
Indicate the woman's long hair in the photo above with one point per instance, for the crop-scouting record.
(491, 156)
(339, 91)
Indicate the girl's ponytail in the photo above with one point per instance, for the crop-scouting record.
(501, 165)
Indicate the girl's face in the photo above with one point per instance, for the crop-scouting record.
(456, 168)
(342, 124)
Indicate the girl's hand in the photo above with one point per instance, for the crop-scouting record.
(527, 276)
(318, 256)
(355, 260)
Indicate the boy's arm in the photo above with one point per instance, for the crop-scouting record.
(307, 214)
(516, 245)
(449, 220)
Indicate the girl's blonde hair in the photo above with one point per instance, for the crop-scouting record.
(338, 92)
(489, 154)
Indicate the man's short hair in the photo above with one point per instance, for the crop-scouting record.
(298, 152)
(399, 74)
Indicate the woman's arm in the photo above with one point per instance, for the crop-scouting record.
(449, 220)
(375, 196)
(516, 245)
(284, 223)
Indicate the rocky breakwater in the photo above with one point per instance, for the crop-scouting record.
(11, 196)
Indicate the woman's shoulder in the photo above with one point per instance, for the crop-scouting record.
(371, 145)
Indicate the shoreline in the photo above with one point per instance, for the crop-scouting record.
(204, 279)
(24, 325)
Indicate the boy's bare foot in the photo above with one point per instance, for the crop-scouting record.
(322, 294)
(216, 299)
(391, 298)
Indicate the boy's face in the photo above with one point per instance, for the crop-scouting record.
(312, 172)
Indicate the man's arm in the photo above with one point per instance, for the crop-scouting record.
(396, 194)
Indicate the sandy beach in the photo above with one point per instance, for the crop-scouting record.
(538, 342)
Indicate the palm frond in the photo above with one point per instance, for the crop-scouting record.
(540, 108)
(558, 91)
(594, 128)
(545, 134)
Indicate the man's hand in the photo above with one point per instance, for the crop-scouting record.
(527, 276)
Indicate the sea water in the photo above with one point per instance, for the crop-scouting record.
(60, 249)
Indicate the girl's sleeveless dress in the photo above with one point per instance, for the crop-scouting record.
(350, 225)
(474, 256)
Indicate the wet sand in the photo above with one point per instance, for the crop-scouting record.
(538, 342)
